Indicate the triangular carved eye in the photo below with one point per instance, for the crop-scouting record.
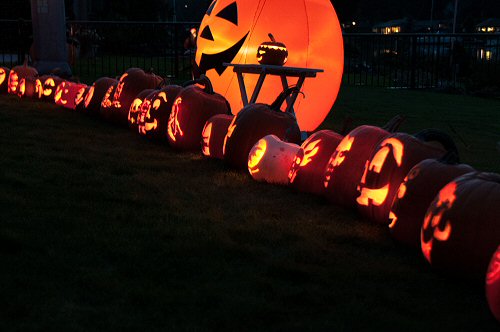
(209, 10)
(207, 34)
(230, 13)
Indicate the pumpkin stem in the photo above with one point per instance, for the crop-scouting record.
(203, 80)
(272, 37)
(436, 135)
(393, 124)
(276, 105)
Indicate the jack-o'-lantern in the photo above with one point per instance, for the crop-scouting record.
(66, 93)
(155, 112)
(4, 74)
(386, 169)
(417, 191)
(191, 109)
(97, 93)
(80, 97)
(27, 88)
(135, 108)
(493, 284)
(213, 135)
(17, 74)
(272, 53)
(460, 231)
(308, 168)
(347, 162)
(49, 84)
(270, 160)
(131, 83)
(106, 104)
(255, 121)
(231, 32)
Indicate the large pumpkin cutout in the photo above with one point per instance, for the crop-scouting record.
(461, 229)
(232, 31)
(308, 168)
(385, 170)
(493, 284)
(417, 191)
(4, 74)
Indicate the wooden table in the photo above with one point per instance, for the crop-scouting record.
(264, 70)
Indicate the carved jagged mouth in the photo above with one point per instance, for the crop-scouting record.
(215, 61)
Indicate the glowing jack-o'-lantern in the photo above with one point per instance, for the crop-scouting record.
(213, 135)
(270, 160)
(131, 83)
(255, 121)
(28, 88)
(66, 93)
(49, 84)
(231, 31)
(347, 163)
(96, 94)
(417, 191)
(192, 108)
(460, 230)
(391, 161)
(493, 284)
(80, 97)
(308, 168)
(155, 111)
(17, 74)
(106, 104)
(4, 74)
(135, 108)
(272, 53)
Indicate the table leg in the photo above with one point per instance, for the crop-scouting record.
(258, 86)
(284, 82)
(243, 89)
(294, 95)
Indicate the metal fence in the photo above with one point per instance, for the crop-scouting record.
(461, 61)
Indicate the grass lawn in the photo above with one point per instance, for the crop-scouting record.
(102, 230)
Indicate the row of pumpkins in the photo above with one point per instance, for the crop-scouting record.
(415, 185)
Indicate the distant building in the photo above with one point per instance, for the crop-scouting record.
(394, 26)
(491, 25)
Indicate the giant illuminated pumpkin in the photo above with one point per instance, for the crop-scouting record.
(232, 31)
(308, 168)
(461, 229)
(270, 160)
(493, 284)
(347, 163)
(417, 191)
(4, 74)
(386, 169)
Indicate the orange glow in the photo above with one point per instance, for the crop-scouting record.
(2, 75)
(88, 97)
(106, 102)
(230, 130)
(38, 88)
(59, 92)
(207, 132)
(174, 127)
(493, 274)
(446, 199)
(393, 218)
(402, 189)
(13, 82)
(134, 108)
(119, 90)
(157, 102)
(237, 41)
(79, 96)
(256, 156)
(376, 196)
(340, 152)
(21, 87)
(310, 150)
(151, 125)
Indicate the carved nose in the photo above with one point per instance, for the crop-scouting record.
(207, 34)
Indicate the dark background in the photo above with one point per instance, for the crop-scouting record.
(368, 11)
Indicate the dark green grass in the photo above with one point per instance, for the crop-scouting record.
(101, 230)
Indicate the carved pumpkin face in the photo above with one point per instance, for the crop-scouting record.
(415, 194)
(459, 232)
(66, 93)
(135, 108)
(308, 168)
(17, 73)
(213, 135)
(49, 85)
(270, 159)
(272, 53)
(80, 97)
(493, 284)
(27, 88)
(231, 31)
(97, 92)
(4, 73)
